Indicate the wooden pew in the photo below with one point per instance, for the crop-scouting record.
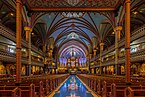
(26, 91)
(129, 92)
(99, 85)
(116, 92)
(119, 90)
(16, 92)
(45, 86)
(106, 89)
(39, 89)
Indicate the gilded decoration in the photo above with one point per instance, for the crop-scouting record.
(72, 3)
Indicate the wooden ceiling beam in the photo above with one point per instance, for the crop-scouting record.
(62, 9)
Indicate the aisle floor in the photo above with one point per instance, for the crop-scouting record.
(73, 87)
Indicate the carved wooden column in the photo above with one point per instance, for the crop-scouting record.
(45, 59)
(28, 39)
(117, 39)
(90, 56)
(18, 40)
(88, 64)
(94, 52)
(94, 70)
(51, 53)
(101, 51)
(127, 40)
(44, 48)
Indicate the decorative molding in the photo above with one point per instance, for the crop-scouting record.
(10, 57)
(135, 35)
(11, 35)
(72, 3)
(138, 56)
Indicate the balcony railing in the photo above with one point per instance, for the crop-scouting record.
(7, 56)
(135, 57)
(4, 31)
(138, 33)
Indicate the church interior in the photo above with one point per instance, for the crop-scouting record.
(72, 48)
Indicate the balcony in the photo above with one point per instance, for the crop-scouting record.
(8, 54)
(137, 56)
(138, 33)
(9, 34)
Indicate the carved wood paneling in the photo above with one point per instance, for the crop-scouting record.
(72, 3)
(11, 35)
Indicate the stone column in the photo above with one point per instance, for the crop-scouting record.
(117, 39)
(101, 51)
(28, 39)
(127, 40)
(18, 40)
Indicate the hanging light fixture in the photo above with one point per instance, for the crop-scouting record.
(73, 2)
(73, 14)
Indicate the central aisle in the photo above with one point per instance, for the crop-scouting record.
(73, 87)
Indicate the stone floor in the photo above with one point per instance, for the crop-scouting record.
(73, 87)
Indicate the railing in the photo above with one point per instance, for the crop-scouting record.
(4, 31)
(7, 32)
(38, 63)
(135, 56)
(109, 62)
(35, 49)
(94, 58)
(135, 35)
(16, 92)
(11, 57)
(140, 32)
(110, 49)
(50, 66)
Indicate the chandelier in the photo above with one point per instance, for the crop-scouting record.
(73, 2)
(72, 14)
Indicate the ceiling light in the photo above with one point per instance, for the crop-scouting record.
(32, 33)
(3, 12)
(73, 2)
(11, 14)
(113, 32)
(73, 14)
(141, 11)
(135, 12)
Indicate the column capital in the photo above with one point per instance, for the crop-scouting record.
(101, 44)
(94, 50)
(90, 54)
(118, 28)
(19, 1)
(127, 1)
(26, 28)
(51, 50)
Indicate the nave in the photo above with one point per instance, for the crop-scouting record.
(66, 85)
(72, 48)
